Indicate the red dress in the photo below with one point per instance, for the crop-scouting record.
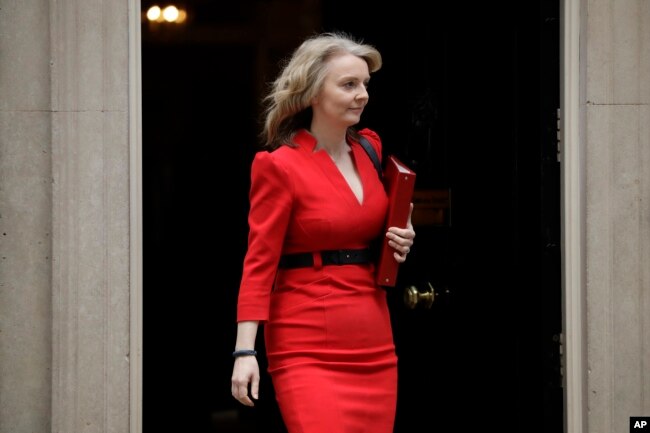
(328, 333)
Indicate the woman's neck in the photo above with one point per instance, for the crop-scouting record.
(333, 141)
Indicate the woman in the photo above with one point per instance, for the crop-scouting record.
(317, 204)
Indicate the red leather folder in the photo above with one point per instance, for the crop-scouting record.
(399, 181)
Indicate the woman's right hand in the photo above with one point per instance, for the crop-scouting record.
(245, 372)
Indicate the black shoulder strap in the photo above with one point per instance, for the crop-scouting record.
(372, 154)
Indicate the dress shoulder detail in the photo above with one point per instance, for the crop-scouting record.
(374, 140)
(370, 134)
(269, 167)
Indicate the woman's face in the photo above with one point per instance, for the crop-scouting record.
(343, 95)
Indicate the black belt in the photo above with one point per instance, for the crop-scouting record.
(328, 257)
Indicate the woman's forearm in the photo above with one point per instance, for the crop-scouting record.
(246, 334)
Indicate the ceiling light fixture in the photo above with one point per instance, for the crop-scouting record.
(170, 14)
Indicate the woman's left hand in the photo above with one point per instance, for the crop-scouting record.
(401, 239)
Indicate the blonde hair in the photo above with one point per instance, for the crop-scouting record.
(287, 106)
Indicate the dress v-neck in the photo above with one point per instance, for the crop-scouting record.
(342, 179)
(358, 174)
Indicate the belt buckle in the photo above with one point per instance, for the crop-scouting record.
(345, 256)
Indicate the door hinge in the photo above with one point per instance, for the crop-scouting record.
(559, 341)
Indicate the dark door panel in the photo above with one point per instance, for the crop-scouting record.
(477, 90)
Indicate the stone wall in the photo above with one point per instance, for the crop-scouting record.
(65, 216)
(617, 227)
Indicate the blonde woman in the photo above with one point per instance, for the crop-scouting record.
(317, 204)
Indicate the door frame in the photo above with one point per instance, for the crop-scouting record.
(135, 216)
(572, 215)
(571, 152)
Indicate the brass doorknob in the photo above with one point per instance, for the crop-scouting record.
(412, 296)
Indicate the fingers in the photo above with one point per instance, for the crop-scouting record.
(407, 233)
(399, 258)
(241, 394)
(401, 246)
(401, 239)
(401, 249)
(401, 236)
(245, 373)
(255, 387)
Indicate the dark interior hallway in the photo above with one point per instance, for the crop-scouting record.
(467, 96)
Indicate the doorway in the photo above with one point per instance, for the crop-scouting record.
(468, 97)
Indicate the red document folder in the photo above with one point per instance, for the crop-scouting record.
(399, 181)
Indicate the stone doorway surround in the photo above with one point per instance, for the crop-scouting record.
(572, 218)
(97, 216)
(70, 216)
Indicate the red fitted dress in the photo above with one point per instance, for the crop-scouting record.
(328, 334)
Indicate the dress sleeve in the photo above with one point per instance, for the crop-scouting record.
(270, 208)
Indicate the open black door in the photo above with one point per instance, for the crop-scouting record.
(468, 97)
(482, 139)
